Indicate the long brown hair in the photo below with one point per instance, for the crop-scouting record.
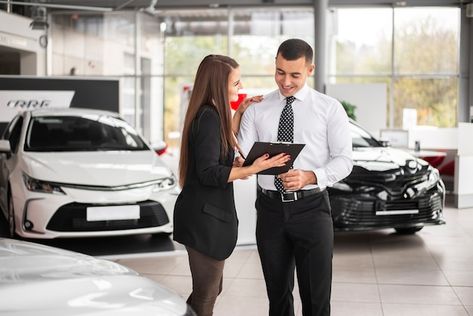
(210, 88)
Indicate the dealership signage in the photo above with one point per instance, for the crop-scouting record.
(14, 101)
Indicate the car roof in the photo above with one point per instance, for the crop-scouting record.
(69, 112)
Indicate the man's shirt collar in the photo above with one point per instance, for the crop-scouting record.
(300, 95)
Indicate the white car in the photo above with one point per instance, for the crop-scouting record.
(41, 280)
(82, 173)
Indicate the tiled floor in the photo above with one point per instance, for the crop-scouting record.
(375, 273)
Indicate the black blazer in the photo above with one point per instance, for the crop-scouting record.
(204, 215)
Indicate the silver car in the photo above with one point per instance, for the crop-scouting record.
(42, 280)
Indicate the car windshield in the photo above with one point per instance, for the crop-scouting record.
(81, 133)
(361, 138)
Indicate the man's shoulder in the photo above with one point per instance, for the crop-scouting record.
(325, 102)
(272, 94)
(324, 97)
(270, 100)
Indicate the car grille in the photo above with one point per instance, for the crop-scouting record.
(72, 218)
(361, 214)
(395, 188)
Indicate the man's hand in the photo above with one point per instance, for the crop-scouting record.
(296, 179)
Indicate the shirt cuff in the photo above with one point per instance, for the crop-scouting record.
(321, 175)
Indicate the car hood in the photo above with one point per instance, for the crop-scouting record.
(102, 168)
(41, 280)
(385, 164)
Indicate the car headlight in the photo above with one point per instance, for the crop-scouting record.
(35, 185)
(429, 181)
(433, 178)
(165, 184)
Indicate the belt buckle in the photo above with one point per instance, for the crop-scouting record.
(290, 199)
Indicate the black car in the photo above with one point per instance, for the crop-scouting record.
(388, 188)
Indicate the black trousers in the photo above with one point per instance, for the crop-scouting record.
(299, 235)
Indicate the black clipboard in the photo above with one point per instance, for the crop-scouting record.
(261, 148)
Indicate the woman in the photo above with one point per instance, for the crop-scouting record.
(205, 219)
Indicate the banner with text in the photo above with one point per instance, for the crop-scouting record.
(14, 101)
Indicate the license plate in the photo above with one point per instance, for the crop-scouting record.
(111, 213)
(397, 212)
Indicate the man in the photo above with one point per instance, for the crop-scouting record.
(294, 224)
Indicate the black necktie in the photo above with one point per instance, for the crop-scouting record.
(285, 132)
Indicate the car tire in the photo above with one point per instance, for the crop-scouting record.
(11, 217)
(408, 230)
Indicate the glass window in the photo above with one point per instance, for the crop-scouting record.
(427, 40)
(257, 33)
(177, 91)
(152, 45)
(88, 133)
(361, 138)
(435, 100)
(190, 36)
(423, 74)
(359, 41)
(92, 44)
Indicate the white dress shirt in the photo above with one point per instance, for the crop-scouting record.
(320, 122)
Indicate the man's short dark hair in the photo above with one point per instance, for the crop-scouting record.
(295, 48)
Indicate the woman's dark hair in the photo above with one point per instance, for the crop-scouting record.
(294, 48)
(210, 88)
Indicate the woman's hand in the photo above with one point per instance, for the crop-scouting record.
(247, 102)
(260, 164)
(241, 109)
(238, 162)
(264, 162)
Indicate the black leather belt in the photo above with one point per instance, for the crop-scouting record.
(289, 196)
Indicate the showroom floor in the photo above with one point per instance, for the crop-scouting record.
(375, 273)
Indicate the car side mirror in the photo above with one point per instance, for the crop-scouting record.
(385, 143)
(5, 146)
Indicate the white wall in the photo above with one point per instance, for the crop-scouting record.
(463, 187)
(15, 33)
(434, 137)
(245, 197)
(370, 101)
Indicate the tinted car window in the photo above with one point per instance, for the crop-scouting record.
(361, 138)
(13, 133)
(74, 133)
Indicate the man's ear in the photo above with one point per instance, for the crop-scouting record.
(310, 69)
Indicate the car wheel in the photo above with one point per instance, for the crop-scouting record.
(11, 217)
(408, 230)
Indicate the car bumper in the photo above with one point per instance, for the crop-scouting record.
(352, 212)
(42, 215)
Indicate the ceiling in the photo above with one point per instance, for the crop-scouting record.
(109, 5)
